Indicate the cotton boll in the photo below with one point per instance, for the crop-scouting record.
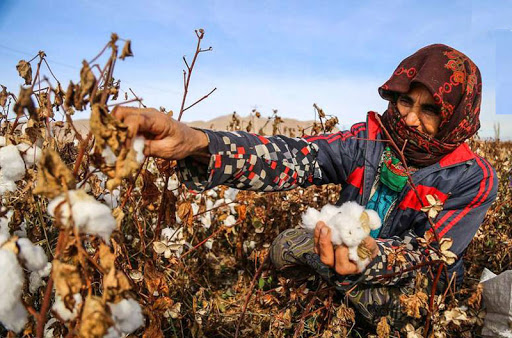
(209, 244)
(92, 217)
(206, 220)
(138, 146)
(218, 203)
(231, 193)
(31, 154)
(33, 256)
(12, 164)
(14, 319)
(3, 239)
(6, 185)
(195, 208)
(4, 223)
(112, 199)
(22, 231)
(109, 156)
(11, 283)
(113, 333)
(211, 193)
(173, 186)
(89, 215)
(127, 315)
(230, 221)
(36, 277)
(59, 203)
(60, 308)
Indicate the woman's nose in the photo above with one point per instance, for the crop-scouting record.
(412, 119)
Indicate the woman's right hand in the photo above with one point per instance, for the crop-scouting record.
(165, 137)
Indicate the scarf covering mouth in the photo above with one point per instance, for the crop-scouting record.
(456, 85)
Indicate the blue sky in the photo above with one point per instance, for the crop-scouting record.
(285, 55)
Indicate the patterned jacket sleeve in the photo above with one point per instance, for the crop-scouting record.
(459, 220)
(252, 162)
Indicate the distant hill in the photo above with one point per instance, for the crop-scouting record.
(222, 123)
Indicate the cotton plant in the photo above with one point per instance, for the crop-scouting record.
(138, 145)
(16, 254)
(12, 168)
(86, 213)
(127, 316)
(171, 242)
(60, 308)
(111, 198)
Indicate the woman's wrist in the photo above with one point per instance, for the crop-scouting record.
(200, 144)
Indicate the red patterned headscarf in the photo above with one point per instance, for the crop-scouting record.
(455, 82)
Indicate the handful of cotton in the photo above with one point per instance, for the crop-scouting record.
(350, 223)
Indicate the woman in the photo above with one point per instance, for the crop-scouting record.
(434, 104)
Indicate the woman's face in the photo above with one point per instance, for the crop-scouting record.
(418, 109)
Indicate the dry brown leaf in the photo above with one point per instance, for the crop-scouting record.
(242, 212)
(95, 319)
(59, 96)
(115, 283)
(383, 328)
(155, 280)
(185, 213)
(25, 102)
(87, 80)
(66, 278)
(154, 329)
(25, 70)
(107, 258)
(3, 96)
(108, 131)
(69, 98)
(363, 252)
(52, 174)
(127, 50)
(150, 192)
(413, 303)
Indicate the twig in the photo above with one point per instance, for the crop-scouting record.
(215, 233)
(81, 153)
(201, 99)
(432, 297)
(249, 293)
(186, 77)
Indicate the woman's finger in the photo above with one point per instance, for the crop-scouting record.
(326, 249)
(316, 235)
(344, 266)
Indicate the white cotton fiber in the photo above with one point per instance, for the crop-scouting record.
(89, 215)
(31, 153)
(33, 256)
(138, 146)
(6, 184)
(60, 308)
(4, 223)
(16, 318)
(2, 141)
(350, 224)
(127, 315)
(109, 156)
(11, 283)
(112, 199)
(35, 279)
(11, 163)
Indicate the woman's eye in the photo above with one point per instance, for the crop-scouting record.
(404, 102)
(431, 111)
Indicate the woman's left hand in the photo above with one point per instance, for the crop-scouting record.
(337, 257)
